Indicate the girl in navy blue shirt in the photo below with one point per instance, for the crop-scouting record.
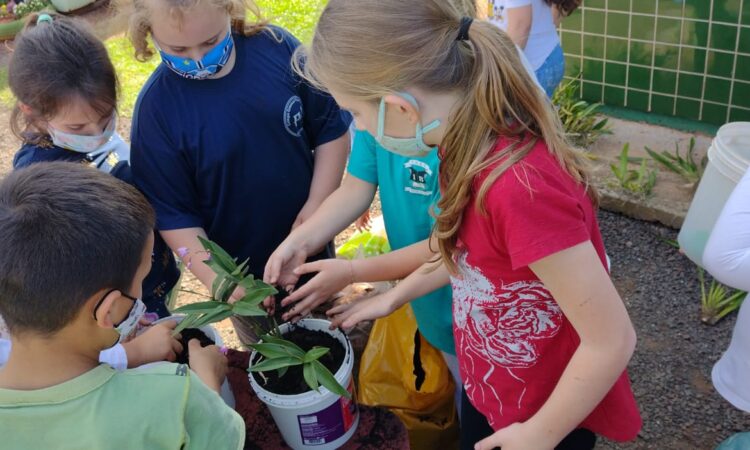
(66, 91)
(227, 142)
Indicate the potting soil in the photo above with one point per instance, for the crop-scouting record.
(293, 381)
(188, 334)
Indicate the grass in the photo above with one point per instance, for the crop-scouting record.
(298, 16)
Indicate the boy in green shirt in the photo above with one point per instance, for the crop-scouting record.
(76, 247)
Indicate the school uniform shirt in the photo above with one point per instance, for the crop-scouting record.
(164, 274)
(512, 339)
(543, 37)
(233, 155)
(408, 191)
(164, 406)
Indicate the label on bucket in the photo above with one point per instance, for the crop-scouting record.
(330, 423)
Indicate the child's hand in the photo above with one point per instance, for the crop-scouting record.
(280, 267)
(363, 223)
(348, 316)
(208, 363)
(514, 437)
(155, 344)
(333, 275)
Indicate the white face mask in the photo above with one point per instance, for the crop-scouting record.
(83, 144)
(410, 147)
(128, 325)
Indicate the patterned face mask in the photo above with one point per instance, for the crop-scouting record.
(126, 327)
(80, 143)
(211, 63)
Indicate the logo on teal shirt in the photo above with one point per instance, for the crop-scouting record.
(419, 173)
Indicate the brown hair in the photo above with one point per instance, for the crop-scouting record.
(140, 19)
(417, 47)
(566, 7)
(53, 62)
(68, 231)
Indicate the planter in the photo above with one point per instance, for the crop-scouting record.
(314, 420)
(8, 30)
(67, 6)
(211, 333)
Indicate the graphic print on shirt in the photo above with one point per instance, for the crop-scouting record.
(500, 326)
(293, 116)
(495, 12)
(419, 172)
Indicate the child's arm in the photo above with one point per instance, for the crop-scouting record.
(336, 213)
(727, 254)
(420, 283)
(579, 283)
(330, 160)
(335, 274)
(519, 24)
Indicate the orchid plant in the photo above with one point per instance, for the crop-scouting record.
(276, 352)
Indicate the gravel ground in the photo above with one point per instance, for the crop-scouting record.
(671, 368)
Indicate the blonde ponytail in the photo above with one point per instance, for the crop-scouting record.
(417, 47)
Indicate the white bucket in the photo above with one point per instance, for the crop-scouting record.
(315, 420)
(728, 159)
(209, 331)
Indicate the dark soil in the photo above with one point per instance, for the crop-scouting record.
(293, 382)
(188, 334)
(671, 368)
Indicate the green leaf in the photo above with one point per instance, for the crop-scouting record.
(277, 350)
(282, 371)
(212, 317)
(218, 254)
(311, 377)
(275, 363)
(315, 353)
(202, 307)
(248, 310)
(326, 378)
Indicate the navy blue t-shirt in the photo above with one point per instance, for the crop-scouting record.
(233, 155)
(164, 273)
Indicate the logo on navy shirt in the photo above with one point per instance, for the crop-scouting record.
(419, 172)
(293, 116)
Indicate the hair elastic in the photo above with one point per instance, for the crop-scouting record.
(43, 18)
(463, 29)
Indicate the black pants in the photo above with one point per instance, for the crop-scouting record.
(474, 428)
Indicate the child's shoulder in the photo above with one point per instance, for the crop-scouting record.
(43, 151)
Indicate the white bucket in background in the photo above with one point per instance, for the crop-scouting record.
(728, 159)
(210, 332)
(315, 420)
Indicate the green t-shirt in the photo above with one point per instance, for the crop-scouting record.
(163, 406)
(408, 190)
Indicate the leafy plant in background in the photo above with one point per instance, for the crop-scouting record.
(29, 6)
(717, 300)
(639, 181)
(278, 353)
(686, 166)
(579, 118)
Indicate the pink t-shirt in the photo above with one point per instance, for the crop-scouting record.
(512, 339)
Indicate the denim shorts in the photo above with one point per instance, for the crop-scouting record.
(551, 72)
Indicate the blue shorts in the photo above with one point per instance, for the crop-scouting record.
(551, 72)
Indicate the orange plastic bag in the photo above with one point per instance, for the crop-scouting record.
(401, 371)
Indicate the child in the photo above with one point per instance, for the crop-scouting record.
(227, 142)
(531, 25)
(53, 391)
(542, 337)
(66, 99)
(408, 190)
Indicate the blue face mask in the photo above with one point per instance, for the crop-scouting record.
(211, 63)
(410, 147)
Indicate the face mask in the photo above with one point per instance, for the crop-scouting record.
(130, 322)
(409, 147)
(211, 63)
(83, 144)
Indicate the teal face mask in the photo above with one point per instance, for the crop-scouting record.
(409, 147)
